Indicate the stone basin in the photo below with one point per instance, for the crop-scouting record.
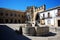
(35, 31)
(41, 30)
(28, 31)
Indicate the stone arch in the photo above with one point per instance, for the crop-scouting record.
(37, 19)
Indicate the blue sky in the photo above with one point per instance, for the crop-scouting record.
(22, 4)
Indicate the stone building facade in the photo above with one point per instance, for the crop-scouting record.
(39, 15)
(11, 16)
(15, 16)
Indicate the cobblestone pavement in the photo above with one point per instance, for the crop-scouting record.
(49, 37)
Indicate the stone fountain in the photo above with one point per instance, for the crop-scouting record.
(30, 30)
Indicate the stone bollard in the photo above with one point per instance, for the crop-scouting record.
(20, 30)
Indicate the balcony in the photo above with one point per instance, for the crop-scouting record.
(49, 17)
(46, 17)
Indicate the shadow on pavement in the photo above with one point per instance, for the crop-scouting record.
(47, 35)
(7, 33)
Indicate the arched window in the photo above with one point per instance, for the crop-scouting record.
(19, 21)
(22, 16)
(1, 14)
(18, 15)
(11, 21)
(6, 14)
(1, 20)
(48, 14)
(6, 20)
(15, 15)
(11, 14)
(15, 21)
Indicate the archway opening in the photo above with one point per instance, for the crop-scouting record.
(37, 19)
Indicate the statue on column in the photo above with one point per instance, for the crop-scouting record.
(28, 16)
(28, 19)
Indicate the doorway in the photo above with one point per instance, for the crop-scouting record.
(37, 19)
(58, 22)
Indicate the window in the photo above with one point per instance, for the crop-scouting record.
(22, 16)
(1, 20)
(19, 15)
(15, 21)
(6, 14)
(11, 21)
(11, 14)
(48, 14)
(6, 20)
(19, 21)
(15, 15)
(1, 14)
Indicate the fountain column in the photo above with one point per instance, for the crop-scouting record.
(29, 19)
